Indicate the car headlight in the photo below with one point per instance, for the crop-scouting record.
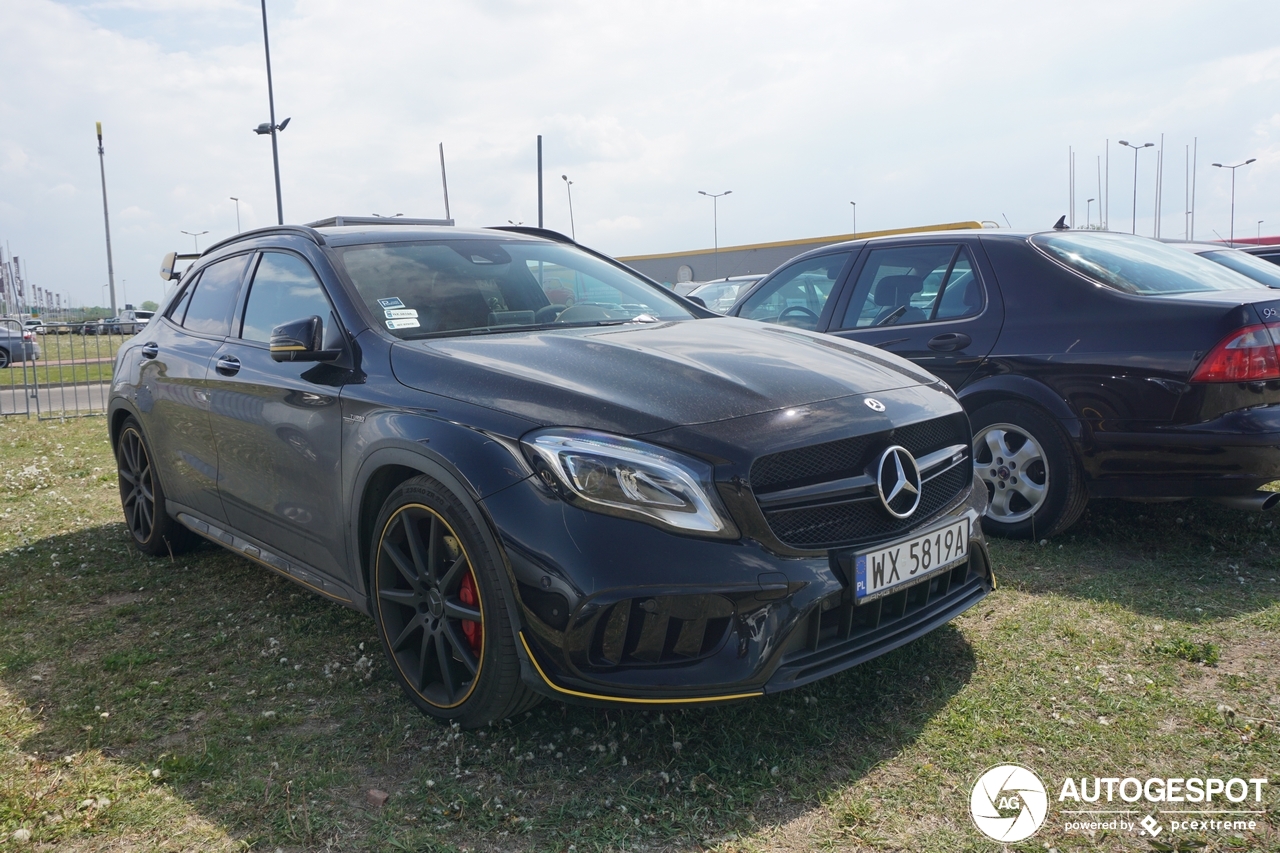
(620, 476)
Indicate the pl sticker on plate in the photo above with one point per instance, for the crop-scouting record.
(391, 302)
(400, 313)
(403, 324)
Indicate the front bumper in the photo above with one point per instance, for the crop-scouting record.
(618, 611)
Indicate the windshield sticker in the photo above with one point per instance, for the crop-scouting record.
(400, 313)
(403, 324)
(391, 302)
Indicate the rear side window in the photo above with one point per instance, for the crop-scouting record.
(284, 289)
(797, 294)
(214, 300)
(1138, 266)
(914, 284)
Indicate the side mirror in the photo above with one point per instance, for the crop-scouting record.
(301, 340)
(167, 267)
(697, 300)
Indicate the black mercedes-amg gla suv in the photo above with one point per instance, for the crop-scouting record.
(612, 496)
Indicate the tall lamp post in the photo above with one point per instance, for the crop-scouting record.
(106, 219)
(1260, 229)
(715, 223)
(194, 235)
(1136, 148)
(272, 128)
(1087, 207)
(237, 201)
(568, 185)
(1233, 191)
(855, 218)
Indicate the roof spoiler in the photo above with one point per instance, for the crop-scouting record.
(168, 266)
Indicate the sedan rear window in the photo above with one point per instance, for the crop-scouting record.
(466, 286)
(1139, 266)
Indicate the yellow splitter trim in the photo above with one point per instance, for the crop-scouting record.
(627, 700)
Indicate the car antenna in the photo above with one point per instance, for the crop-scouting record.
(1061, 224)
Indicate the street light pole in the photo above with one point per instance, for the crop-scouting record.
(715, 224)
(106, 219)
(855, 218)
(237, 201)
(1136, 148)
(193, 235)
(568, 185)
(1233, 192)
(1087, 203)
(1260, 229)
(272, 128)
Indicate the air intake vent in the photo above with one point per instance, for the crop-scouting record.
(661, 629)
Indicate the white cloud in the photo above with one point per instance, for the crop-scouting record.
(920, 112)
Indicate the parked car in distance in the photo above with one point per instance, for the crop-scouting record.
(1091, 364)
(630, 500)
(1269, 253)
(131, 321)
(17, 344)
(1242, 262)
(719, 295)
(107, 326)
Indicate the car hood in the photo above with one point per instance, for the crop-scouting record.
(644, 377)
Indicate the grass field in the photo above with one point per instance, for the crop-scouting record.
(203, 704)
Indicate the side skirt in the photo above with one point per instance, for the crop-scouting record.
(287, 567)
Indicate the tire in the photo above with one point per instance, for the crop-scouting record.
(4, 358)
(441, 608)
(1010, 438)
(154, 531)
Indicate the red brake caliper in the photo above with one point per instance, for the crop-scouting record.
(473, 631)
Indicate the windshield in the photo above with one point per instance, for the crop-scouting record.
(462, 286)
(1242, 262)
(1137, 265)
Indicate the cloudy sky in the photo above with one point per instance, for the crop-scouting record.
(920, 112)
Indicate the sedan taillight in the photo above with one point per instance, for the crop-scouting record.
(27, 336)
(1245, 355)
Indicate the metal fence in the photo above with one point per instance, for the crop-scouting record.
(56, 370)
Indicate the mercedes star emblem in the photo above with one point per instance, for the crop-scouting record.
(874, 405)
(898, 481)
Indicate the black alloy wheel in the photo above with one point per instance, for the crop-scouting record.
(142, 497)
(441, 609)
(1035, 485)
(4, 358)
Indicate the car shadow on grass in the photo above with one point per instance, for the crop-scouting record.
(272, 713)
(1194, 561)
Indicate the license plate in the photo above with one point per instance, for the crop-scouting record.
(911, 559)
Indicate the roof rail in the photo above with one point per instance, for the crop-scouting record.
(300, 230)
(339, 221)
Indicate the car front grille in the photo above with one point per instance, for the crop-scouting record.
(821, 522)
(845, 635)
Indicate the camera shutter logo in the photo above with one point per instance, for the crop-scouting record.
(1008, 803)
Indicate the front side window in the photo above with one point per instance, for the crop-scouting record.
(462, 286)
(914, 284)
(797, 294)
(284, 289)
(214, 299)
(1138, 266)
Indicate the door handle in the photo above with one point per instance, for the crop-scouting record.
(949, 342)
(228, 365)
(150, 350)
